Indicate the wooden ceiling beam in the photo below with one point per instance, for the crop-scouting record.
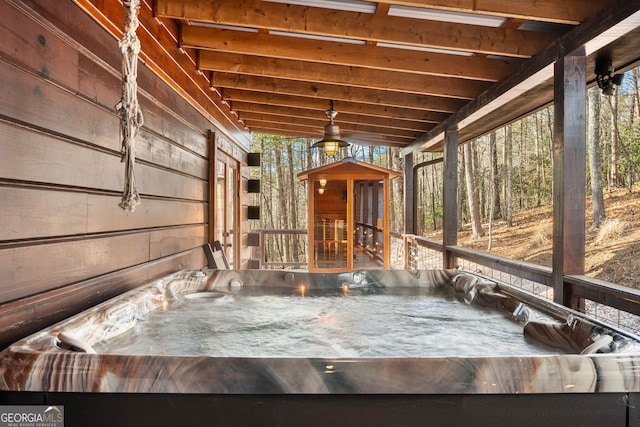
(242, 108)
(301, 131)
(380, 58)
(340, 75)
(565, 12)
(335, 92)
(319, 123)
(358, 26)
(234, 96)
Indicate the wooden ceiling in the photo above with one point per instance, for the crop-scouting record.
(394, 69)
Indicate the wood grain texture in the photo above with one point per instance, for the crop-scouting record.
(38, 157)
(33, 212)
(38, 268)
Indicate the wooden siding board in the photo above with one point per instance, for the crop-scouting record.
(28, 315)
(43, 53)
(38, 157)
(64, 242)
(39, 268)
(29, 213)
(30, 99)
(166, 123)
(158, 182)
(167, 154)
(32, 212)
(64, 113)
(166, 242)
(104, 214)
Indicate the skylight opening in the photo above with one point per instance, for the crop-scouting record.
(348, 5)
(223, 27)
(316, 37)
(425, 49)
(446, 16)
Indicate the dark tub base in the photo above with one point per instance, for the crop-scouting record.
(109, 409)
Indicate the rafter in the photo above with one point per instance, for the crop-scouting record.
(359, 26)
(301, 131)
(240, 98)
(340, 75)
(319, 123)
(243, 108)
(335, 92)
(381, 58)
(565, 11)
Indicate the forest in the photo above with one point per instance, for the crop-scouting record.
(503, 175)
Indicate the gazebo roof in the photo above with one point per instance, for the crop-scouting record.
(349, 167)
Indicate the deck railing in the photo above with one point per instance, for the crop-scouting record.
(612, 304)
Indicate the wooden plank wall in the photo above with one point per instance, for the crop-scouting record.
(64, 242)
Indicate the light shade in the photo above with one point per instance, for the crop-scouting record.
(331, 141)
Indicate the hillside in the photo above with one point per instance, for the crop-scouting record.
(612, 252)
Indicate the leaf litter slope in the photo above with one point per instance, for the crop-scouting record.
(612, 252)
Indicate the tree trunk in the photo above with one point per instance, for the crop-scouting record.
(537, 130)
(508, 163)
(495, 179)
(461, 195)
(282, 206)
(593, 141)
(293, 215)
(635, 104)
(613, 104)
(472, 193)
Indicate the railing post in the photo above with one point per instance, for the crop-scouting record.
(409, 195)
(450, 195)
(569, 169)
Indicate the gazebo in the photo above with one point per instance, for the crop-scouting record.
(348, 211)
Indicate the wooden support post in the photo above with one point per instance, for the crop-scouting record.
(569, 157)
(450, 195)
(212, 186)
(386, 223)
(409, 196)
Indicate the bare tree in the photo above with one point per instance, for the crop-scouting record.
(495, 178)
(537, 131)
(593, 141)
(472, 193)
(508, 167)
(635, 102)
(292, 240)
(461, 193)
(494, 206)
(613, 169)
(282, 201)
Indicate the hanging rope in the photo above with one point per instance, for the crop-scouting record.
(130, 114)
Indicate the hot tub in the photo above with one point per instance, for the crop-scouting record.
(576, 355)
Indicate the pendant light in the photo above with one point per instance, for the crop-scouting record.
(331, 141)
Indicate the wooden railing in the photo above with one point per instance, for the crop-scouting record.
(261, 259)
(613, 304)
(603, 300)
